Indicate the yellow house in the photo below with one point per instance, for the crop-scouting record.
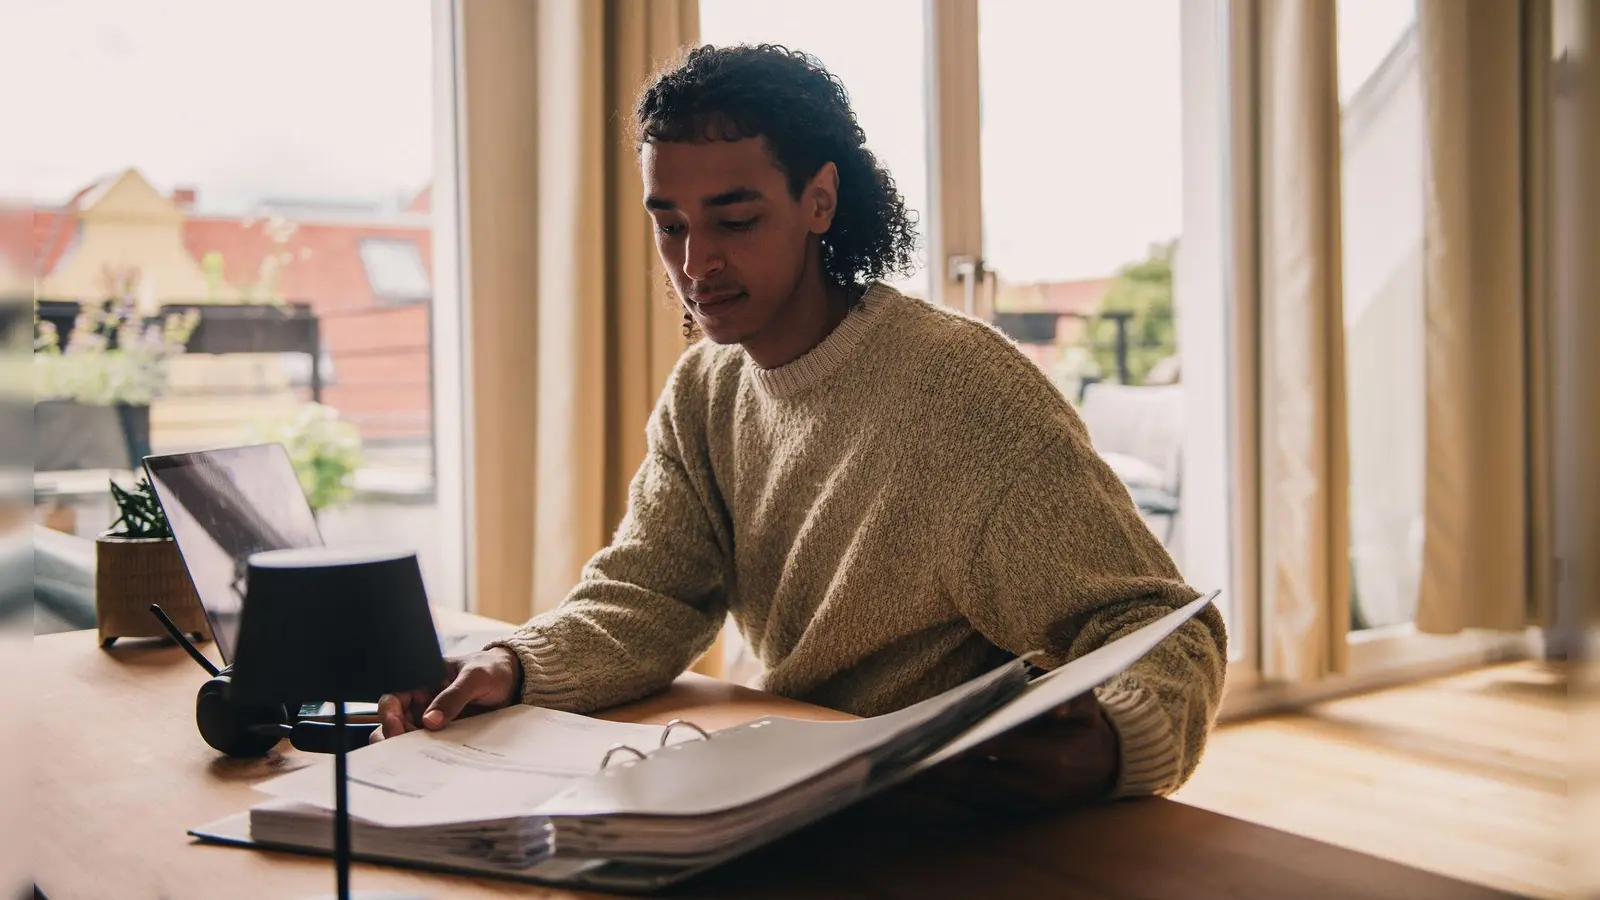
(124, 222)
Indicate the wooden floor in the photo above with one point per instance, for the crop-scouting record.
(1465, 775)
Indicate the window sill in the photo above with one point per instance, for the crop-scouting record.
(1378, 659)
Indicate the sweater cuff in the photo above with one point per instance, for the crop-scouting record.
(1149, 755)
(546, 680)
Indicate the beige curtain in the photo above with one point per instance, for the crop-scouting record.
(1304, 555)
(497, 129)
(1486, 551)
(608, 331)
(573, 330)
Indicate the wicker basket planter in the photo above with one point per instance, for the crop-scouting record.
(131, 574)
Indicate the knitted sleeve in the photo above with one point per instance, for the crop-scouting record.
(1063, 565)
(648, 604)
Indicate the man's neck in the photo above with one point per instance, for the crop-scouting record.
(811, 314)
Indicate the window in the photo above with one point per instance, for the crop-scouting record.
(275, 177)
(395, 270)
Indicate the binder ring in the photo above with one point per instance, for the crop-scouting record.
(667, 730)
(606, 760)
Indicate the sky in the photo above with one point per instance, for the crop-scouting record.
(241, 98)
(332, 99)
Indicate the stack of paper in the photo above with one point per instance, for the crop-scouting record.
(509, 846)
(466, 796)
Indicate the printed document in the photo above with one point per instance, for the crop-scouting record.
(499, 765)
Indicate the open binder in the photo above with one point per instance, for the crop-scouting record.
(543, 796)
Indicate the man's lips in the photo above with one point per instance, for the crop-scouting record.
(707, 301)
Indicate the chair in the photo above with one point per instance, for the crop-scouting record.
(63, 581)
(1138, 431)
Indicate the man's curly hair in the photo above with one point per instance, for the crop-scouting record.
(789, 98)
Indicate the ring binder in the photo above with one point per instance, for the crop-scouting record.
(666, 732)
(606, 760)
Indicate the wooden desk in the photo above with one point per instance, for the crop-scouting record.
(121, 774)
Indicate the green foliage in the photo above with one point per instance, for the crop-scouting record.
(325, 451)
(139, 512)
(1143, 289)
(211, 264)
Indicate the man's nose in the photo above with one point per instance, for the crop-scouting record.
(701, 258)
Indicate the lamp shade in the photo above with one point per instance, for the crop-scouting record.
(334, 624)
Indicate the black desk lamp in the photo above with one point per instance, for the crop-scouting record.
(330, 624)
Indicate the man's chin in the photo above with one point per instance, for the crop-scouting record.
(722, 333)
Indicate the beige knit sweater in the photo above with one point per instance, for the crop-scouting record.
(906, 506)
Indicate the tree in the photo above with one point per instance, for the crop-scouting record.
(1143, 292)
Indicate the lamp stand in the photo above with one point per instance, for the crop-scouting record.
(341, 820)
(341, 804)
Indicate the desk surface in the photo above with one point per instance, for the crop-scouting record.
(120, 775)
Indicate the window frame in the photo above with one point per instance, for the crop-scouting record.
(450, 319)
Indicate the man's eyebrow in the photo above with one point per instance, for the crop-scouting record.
(726, 198)
(737, 195)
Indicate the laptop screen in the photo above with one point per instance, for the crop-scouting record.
(223, 505)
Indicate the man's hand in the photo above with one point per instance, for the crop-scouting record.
(474, 683)
(1067, 757)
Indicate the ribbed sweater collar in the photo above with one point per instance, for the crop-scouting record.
(821, 361)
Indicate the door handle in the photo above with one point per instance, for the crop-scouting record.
(970, 271)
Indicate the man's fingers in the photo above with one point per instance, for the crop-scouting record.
(400, 713)
(391, 715)
(1043, 748)
(418, 701)
(997, 785)
(1085, 705)
(416, 704)
(452, 700)
(1048, 739)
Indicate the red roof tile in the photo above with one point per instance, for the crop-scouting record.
(53, 233)
(422, 202)
(325, 265)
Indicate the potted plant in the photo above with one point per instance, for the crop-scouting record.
(137, 563)
(93, 388)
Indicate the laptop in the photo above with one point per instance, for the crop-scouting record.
(224, 505)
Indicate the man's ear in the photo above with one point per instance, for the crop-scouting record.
(822, 198)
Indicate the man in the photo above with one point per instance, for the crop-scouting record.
(887, 497)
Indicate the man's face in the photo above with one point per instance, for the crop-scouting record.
(732, 237)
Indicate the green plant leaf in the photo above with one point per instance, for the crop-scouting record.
(140, 513)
